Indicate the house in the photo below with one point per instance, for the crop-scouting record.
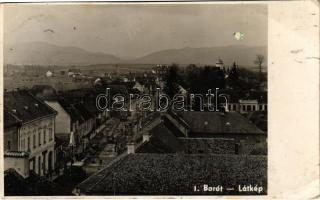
(11, 129)
(221, 125)
(29, 134)
(164, 136)
(49, 74)
(160, 139)
(86, 128)
(246, 101)
(73, 123)
(219, 64)
(139, 87)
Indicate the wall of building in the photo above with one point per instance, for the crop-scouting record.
(21, 165)
(10, 138)
(37, 138)
(63, 120)
(244, 137)
(247, 107)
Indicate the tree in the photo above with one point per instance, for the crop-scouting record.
(171, 80)
(259, 60)
(234, 77)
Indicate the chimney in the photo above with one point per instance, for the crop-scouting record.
(130, 148)
(145, 137)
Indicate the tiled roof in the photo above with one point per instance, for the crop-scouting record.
(208, 145)
(162, 140)
(25, 106)
(10, 120)
(83, 111)
(71, 110)
(218, 123)
(176, 174)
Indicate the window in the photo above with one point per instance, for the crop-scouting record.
(44, 136)
(234, 107)
(254, 108)
(243, 107)
(229, 107)
(39, 137)
(28, 144)
(50, 134)
(265, 107)
(23, 145)
(34, 141)
(260, 107)
(9, 145)
(39, 165)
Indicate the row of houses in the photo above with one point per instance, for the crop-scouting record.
(43, 130)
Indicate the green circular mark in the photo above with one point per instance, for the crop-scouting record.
(238, 35)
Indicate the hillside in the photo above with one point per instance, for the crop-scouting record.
(243, 55)
(39, 53)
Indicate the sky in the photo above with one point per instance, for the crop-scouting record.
(135, 30)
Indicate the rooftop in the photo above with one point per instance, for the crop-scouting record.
(172, 174)
(219, 122)
(208, 145)
(162, 140)
(10, 120)
(25, 107)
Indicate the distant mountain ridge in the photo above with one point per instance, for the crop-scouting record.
(40, 53)
(243, 55)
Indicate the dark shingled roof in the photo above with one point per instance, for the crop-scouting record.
(83, 111)
(218, 122)
(176, 174)
(208, 145)
(162, 140)
(10, 120)
(71, 110)
(25, 106)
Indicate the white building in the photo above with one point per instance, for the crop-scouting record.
(219, 63)
(49, 74)
(32, 146)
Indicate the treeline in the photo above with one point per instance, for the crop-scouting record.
(198, 79)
